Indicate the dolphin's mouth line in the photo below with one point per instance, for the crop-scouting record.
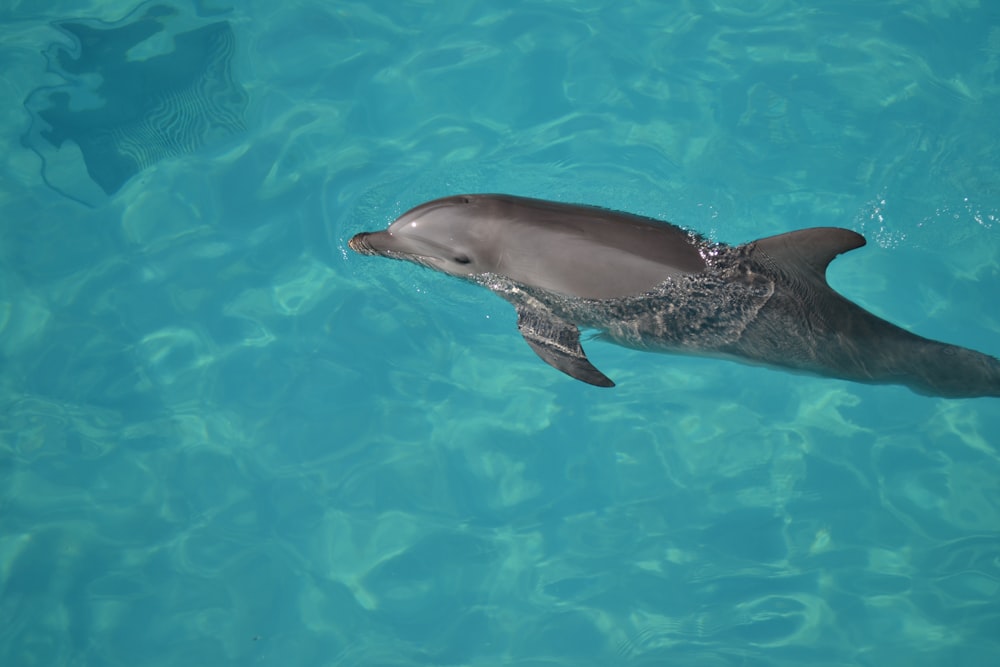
(360, 244)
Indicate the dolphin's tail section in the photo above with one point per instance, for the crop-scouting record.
(939, 369)
(809, 326)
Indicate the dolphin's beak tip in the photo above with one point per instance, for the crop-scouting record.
(358, 244)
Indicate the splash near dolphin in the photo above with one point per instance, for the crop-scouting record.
(650, 285)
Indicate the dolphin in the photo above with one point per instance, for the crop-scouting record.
(650, 285)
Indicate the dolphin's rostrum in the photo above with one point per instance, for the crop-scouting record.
(650, 285)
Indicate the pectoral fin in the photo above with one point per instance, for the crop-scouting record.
(557, 342)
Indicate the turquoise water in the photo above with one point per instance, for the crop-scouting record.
(225, 439)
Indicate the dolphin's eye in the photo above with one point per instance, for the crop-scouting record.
(461, 259)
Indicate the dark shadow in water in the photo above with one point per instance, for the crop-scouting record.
(154, 85)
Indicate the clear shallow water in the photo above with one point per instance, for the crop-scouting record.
(225, 439)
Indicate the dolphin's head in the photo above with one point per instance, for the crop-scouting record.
(456, 235)
(578, 251)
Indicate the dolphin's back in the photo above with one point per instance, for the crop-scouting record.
(590, 252)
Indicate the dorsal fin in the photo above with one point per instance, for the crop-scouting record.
(807, 250)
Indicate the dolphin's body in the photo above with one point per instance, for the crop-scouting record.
(650, 285)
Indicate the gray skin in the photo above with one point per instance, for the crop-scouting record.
(650, 285)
